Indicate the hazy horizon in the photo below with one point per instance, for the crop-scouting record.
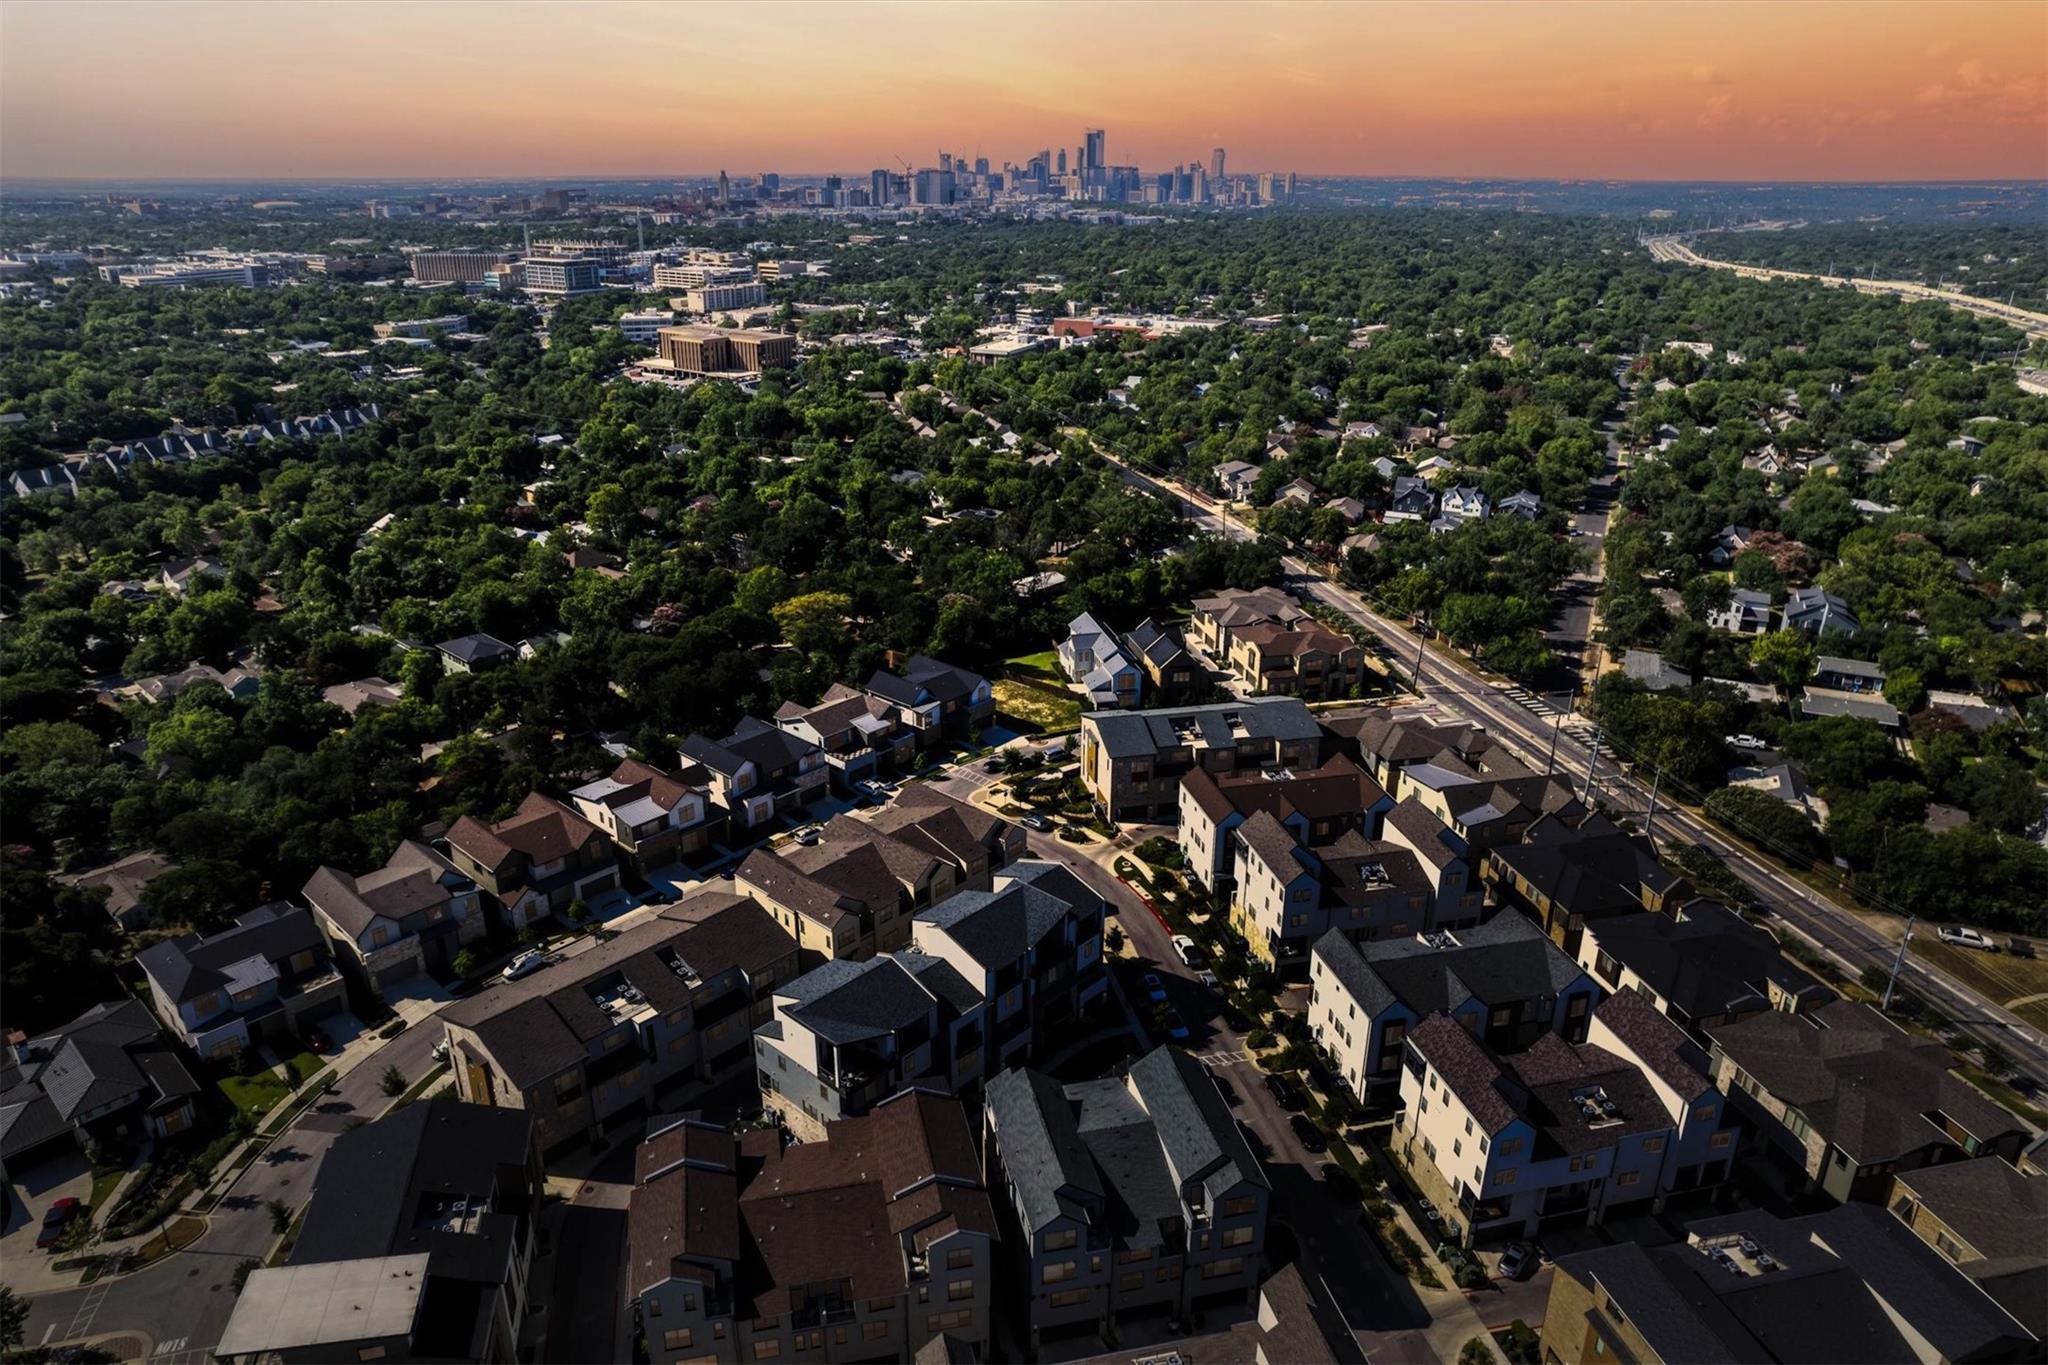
(1912, 92)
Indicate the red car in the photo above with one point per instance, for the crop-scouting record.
(54, 1222)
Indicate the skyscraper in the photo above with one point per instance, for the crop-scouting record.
(1095, 159)
(1216, 164)
(724, 189)
(1061, 169)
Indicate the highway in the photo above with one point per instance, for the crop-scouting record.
(1530, 727)
(2033, 324)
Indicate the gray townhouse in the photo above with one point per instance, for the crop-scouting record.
(262, 981)
(935, 699)
(862, 738)
(1128, 1195)
(1132, 762)
(409, 917)
(107, 1078)
(757, 772)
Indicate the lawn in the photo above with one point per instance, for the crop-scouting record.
(2018, 983)
(257, 1095)
(1049, 708)
(1044, 664)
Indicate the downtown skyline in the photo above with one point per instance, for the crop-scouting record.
(1707, 92)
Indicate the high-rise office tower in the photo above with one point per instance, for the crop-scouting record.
(878, 187)
(946, 162)
(1095, 160)
(1216, 164)
(724, 189)
(1290, 184)
(1061, 169)
(771, 184)
(981, 165)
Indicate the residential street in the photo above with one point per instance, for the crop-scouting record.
(182, 1302)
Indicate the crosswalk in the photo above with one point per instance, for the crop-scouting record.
(1218, 1057)
(1530, 701)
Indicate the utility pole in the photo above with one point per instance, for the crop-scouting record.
(1421, 643)
(1898, 962)
(1592, 761)
(1556, 725)
(1650, 818)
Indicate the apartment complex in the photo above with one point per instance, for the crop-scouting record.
(1316, 806)
(1566, 875)
(457, 267)
(714, 298)
(987, 979)
(1850, 1283)
(656, 1014)
(1701, 963)
(1126, 1195)
(724, 351)
(1214, 619)
(865, 1244)
(1132, 762)
(1307, 659)
(1502, 980)
(1849, 1099)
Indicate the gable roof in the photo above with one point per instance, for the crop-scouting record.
(543, 829)
(188, 967)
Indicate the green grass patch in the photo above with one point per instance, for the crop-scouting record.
(1044, 664)
(2004, 1094)
(1042, 704)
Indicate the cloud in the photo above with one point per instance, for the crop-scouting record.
(1708, 75)
(1717, 111)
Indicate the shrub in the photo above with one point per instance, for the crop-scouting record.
(1477, 1351)
(392, 1082)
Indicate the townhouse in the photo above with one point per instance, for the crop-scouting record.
(861, 737)
(1214, 619)
(1388, 744)
(1750, 1286)
(1989, 1219)
(1848, 1099)
(865, 1244)
(458, 1186)
(653, 817)
(757, 772)
(1502, 980)
(1128, 1195)
(1307, 659)
(989, 978)
(1170, 670)
(659, 1013)
(1565, 876)
(1094, 659)
(1316, 806)
(265, 980)
(851, 893)
(541, 859)
(1700, 963)
(936, 700)
(1132, 762)
(1481, 811)
(409, 917)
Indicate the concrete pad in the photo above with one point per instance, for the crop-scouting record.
(64, 1175)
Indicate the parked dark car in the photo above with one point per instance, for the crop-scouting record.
(1284, 1090)
(55, 1221)
(1305, 1130)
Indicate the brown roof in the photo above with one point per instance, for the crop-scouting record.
(1472, 1075)
(542, 828)
(1309, 635)
(1339, 787)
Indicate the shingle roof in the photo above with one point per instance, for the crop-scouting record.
(1128, 734)
(1467, 1068)
(478, 648)
(415, 877)
(1706, 961)
(187, 968)
(542, 828)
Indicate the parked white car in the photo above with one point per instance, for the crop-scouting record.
(1190, 951)
(1745, 742)
(525, 964)
(1963, 937)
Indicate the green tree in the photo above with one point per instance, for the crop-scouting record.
(1786, 657)
(13, 1317)
(392, 1082)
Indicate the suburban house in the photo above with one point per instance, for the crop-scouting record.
(474, 653)
(126, 882)
(1129, 1195)
(988, 979)
(1649, 668)
(1752, 1286)
(1850, 1099)
(262, 981)
(871, 1243)
(1502, 980)
(1729, 542)
(935, 699)
(1701, 963)
(352, 697)
(1094, 658)
(657, 1014)
(1132, 762)
(654, 817)
(1847, 675)
(1524, 504)
(409, 917)
(1818, 612)
(1989, 1219)
(1236, 478)
(1412, 500)
(1817, 701)
(862, 738)
(1307, 660)
(1169, 668)
(107, 1077)
(1746, 612)
(1463, 503)
(758, 771)
(1214, 618)
(538, 861)
(417, 1244)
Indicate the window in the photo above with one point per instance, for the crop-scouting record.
(1165, 1273)
(1067, 1298)
(718, 1331)
(1237, 1237)
(873, 1331)
(1949, 1246)
(370, 1353)
(1506, 1177)
(840, 1336)
(1511, 1147)
(677, 1339)
(568, 1088)
(1468, 1125)
(1705, 1113)
(1216, 1270)
(1057, 1271)
(1457, 1146)
(1655, 1144)
(767, 1350)
(1057, 1241)
(959, 1289)
(1627, 1178)
(959, 1258)
(1721, 1139)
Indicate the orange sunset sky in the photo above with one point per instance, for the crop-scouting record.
(1918, 89)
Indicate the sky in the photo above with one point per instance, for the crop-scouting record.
(359, 89)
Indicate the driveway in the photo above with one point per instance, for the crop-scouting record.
(65, 1174)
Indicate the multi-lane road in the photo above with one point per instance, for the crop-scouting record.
(1676, 250)
(1530, 726)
